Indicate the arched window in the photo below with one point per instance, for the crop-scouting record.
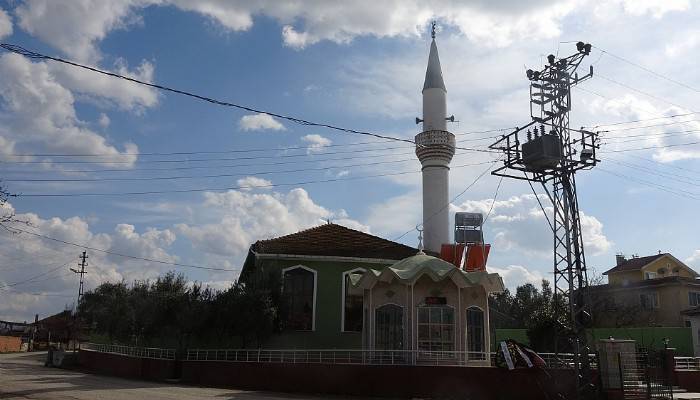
(352, 302)
(388, 327)
(299, 293)
(436, 328)
(475, 333)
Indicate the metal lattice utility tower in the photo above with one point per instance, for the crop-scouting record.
(550, 153)
(83, 263)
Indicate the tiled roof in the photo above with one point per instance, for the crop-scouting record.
(334, 240)
(680, 280)
(634, 264)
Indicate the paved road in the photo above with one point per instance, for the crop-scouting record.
(23, 376)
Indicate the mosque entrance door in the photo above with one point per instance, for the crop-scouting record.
(389, 328)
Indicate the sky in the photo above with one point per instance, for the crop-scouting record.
(359, 65)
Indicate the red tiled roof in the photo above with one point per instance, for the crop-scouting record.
(634, 264)
(334, 240)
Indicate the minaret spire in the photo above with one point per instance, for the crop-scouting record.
(435, 147)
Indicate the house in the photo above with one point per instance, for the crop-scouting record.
(347, 289)
(657, 290)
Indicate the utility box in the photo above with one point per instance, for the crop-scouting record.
(543, 152)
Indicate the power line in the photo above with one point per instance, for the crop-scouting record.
(678, 192)
(639, 120)
(223, 189)
(34, 55)
(650, 126)
(113, 253)
(664, 77)
(641, 91)
(651, 147)
(157, 178)
(454, 198)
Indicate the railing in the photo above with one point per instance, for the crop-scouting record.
(687, 363)
(143, 352)
(368, 357)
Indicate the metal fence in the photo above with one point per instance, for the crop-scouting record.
(368, 357)
(143, 352)
(645, 376)
(687, 363)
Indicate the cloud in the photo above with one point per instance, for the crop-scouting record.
(518, 224)
(517, 275)
(240, 218)
(694, 258)
(107, 91)
(26, 256)
(252, 182)
(39, 112)
(258, 122)
(5, 24)
(104, 120)
(656, 8)
(78, 26)
(316, 142)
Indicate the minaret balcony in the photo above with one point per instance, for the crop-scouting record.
(431, 145)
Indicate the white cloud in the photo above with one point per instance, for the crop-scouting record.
(29, 256)
(252, 182)
(258, 122)
(316, 142)
(108, 91)
(39, 112)
(104, 120)
(5, 24)
(518, 224)
(684, 44)
(694, 258)
(654, 7)
(517, 275)
(240, 218)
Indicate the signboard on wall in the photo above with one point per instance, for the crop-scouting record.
(435, 301)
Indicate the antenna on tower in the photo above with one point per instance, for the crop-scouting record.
(432, 30)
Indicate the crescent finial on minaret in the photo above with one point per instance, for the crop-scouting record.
(432, 32)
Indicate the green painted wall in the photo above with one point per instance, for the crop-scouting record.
(680, 338)
(327, 334)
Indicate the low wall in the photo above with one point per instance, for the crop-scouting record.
(385, 380)
(10, 344)
(688, 380)
(127, 366)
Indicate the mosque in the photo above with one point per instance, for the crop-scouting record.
(346, 289)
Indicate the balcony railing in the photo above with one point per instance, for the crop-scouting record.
(142, 352)
(687, 363)
(369, 357)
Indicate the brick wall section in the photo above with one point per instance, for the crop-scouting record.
(10, 344)
(127, 367)
(387, 381)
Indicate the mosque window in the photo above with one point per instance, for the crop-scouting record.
(475, 333)
(436, 328)
(299, 293)
(352, 302)
(388, 326)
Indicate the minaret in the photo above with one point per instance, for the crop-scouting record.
(435, 147)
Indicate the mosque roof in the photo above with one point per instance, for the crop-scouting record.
(411, 268)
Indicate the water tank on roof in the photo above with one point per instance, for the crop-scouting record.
(468, 227)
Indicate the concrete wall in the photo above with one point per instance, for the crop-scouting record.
(10, 344)
(128, 367)
(688, 380)
(384, 381)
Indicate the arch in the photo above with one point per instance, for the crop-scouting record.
(344, 301)
(388, 327)
(476, 332)
(299, 286)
